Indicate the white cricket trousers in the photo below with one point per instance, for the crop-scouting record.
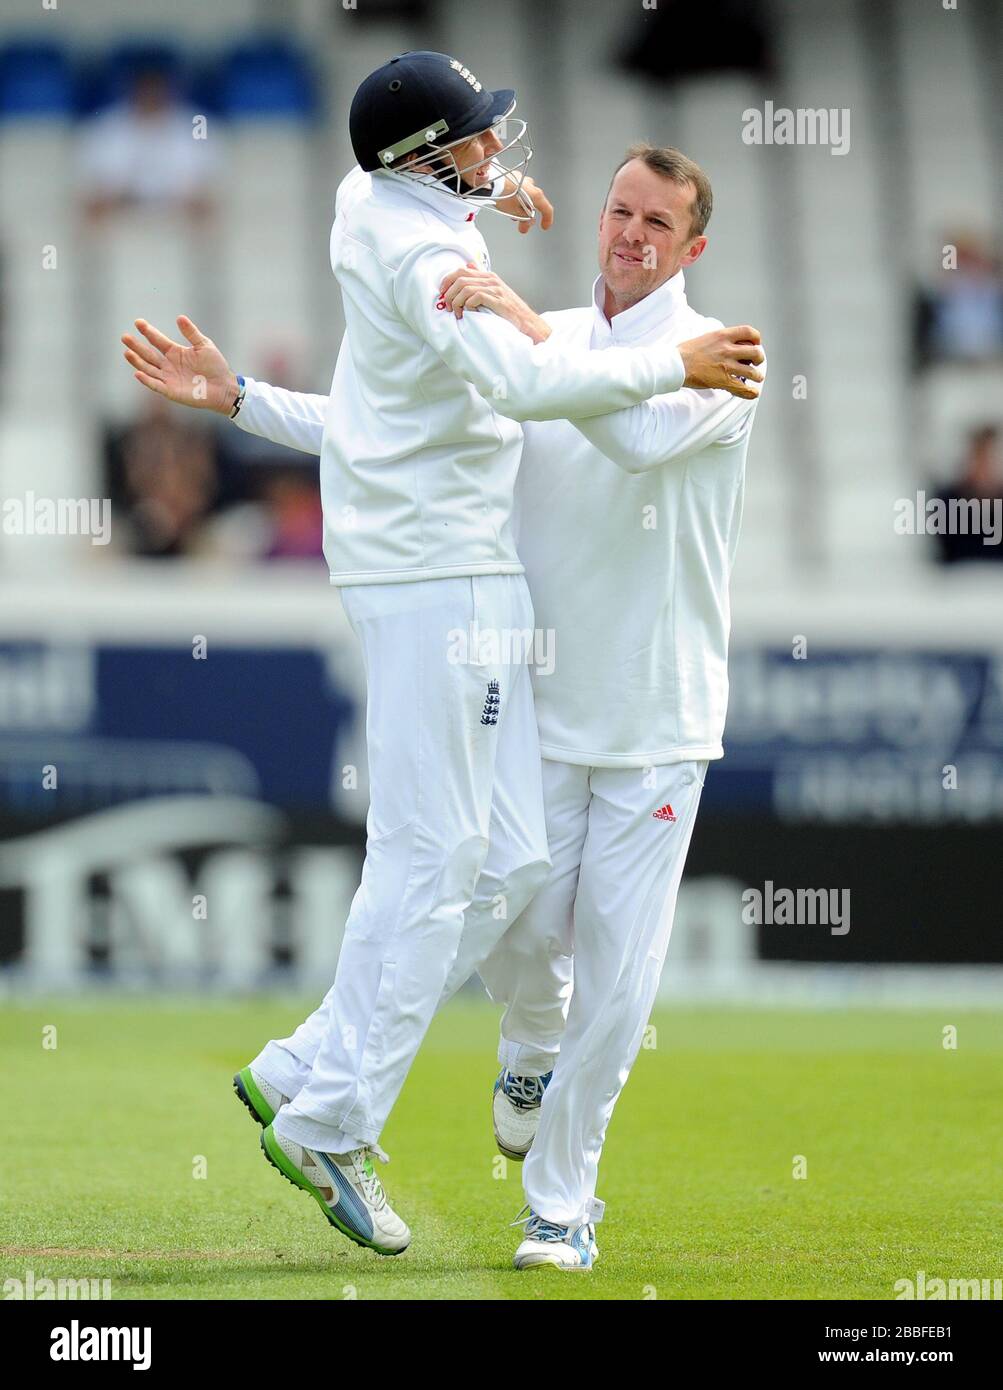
(454, 765)
(618, 842)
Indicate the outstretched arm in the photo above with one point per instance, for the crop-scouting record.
(727, 359)
(200, 376)
(517, 378)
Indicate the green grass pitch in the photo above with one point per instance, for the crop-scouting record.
(901, 1137)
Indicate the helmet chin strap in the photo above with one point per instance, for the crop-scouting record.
(494, 189)
(486, 194)
(491, 193)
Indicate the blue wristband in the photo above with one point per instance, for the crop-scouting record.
(241, 391)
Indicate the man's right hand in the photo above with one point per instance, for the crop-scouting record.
(726, 360)
(198, 375)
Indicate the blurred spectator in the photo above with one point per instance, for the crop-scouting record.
(962, 320)
(183, 484)
(981, 478)
(163, 483)
(294, 512)
(143, 152)
(283, 518)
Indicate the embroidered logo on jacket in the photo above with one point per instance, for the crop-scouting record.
(492, 704)
(664, 813)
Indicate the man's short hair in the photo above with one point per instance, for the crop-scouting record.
(672, 164)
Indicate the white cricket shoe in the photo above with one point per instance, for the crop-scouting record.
(515, 1110)
(549, 1243)
(358, 1206)
(262, 1099)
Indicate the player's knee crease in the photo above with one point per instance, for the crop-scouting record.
(523, 883)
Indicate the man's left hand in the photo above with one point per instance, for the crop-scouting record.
(471, 288)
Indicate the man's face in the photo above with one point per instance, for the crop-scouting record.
(474, 156)
(477, 152)
(644, 233)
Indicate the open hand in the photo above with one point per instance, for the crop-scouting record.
(198, 375)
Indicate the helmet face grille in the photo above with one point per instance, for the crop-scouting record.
(436, 164)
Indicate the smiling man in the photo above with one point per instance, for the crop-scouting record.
(627, 525)
(650, 229)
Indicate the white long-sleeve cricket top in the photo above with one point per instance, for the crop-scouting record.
(421, 442)
(628, 525)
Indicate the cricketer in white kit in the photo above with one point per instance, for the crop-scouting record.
(419, 453)
(631, 575)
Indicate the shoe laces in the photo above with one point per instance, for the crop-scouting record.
(362, 1162)
(525, 1092)
(536, 1228)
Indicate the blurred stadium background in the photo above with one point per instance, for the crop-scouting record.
(205, 826)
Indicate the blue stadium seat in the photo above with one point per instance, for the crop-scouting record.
(35, 80)
(266, 78)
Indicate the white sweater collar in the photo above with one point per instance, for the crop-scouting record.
(446, 205)
(641, 319)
